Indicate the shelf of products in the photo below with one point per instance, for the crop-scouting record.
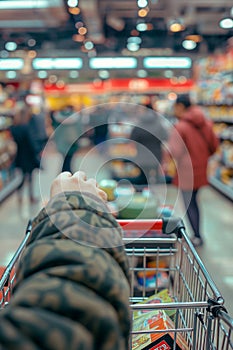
(214, 91)
(214, 80)
(9, 177)
(221, 174)
(219, 113)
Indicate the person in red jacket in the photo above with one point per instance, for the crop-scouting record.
(191, 143)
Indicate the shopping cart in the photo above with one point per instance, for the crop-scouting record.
(8, 276)
(200, 320)
(197, 317)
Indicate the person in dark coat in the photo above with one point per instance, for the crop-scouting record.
(28, 155)
(149, 135)
(99, 118)
(72, 283)
(68, 128)
(191, 143)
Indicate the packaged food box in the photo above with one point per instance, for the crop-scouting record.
(162, 297)
(156, 320)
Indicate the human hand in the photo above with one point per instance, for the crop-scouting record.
(76, 182)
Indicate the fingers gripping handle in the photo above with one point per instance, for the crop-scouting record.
(173, 225)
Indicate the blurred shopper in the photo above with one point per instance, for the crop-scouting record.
(68, 128)
(191, 143)
(99, 118)
(72, 282)
(25, 132)
(149, 136)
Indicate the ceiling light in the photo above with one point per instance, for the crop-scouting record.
(82, 30)
(189, 44)
(31, 42)
(168, 73)
(74, 11)
(113, 62)
(174, 80)
(134, 32)
(53, 79)
(72, 3)
(133, 47)
(176, 27)
(11, 74)
(103, 74)
(79, 38)
(141, 27)
(29, 4)
(167, 62)
(134, 39)
(57, 63)
(150, 26)
(142, 12)
(226, 23)
(78, 24)
(182, 79)
(194, 37)
(89, 45)
(11, 64)
(60, 84)
(74, 74)
(142, 73)
(32, 54)
(172, 96)
(42, 74)
(10, 46)
(142, 3)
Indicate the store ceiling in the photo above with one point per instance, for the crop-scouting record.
(110, 22)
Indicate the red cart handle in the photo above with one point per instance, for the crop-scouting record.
(141, 224)
(167, 225)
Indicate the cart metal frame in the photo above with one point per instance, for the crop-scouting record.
(200, 315)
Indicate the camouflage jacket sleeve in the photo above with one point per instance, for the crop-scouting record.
(72, 289)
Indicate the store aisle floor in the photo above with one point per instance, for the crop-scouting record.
(217, 221)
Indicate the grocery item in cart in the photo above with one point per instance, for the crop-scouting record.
(152, 279)
(109, 187)
(162, 297)
(154, 320)
(151, 275)
(200, 320)
(138, 206)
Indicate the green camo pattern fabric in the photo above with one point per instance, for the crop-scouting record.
(72, 289)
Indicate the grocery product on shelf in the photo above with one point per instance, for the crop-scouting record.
(219, 113)
(9, 178)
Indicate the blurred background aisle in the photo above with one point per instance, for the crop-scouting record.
(217, 225)
(100, 64)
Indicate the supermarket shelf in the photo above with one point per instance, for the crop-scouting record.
(226, 165)
(220, 186)
(226, 138)
(226, 120)
(10, 187)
